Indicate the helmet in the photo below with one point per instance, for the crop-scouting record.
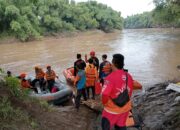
(22, 75)
(92, 53)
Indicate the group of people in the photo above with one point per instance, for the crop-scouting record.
(44, 78)
(86, 75)
(117, 86)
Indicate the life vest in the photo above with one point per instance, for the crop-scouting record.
(114, 109)
(107, 67)
(91, 75)
(130, 120)
(50, 75)
(25, 83)
(40, 74)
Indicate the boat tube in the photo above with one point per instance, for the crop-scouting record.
(63, 94)
(69, 75)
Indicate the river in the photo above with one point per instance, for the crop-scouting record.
(151, 55)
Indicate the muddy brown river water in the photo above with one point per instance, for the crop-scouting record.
(151, 55)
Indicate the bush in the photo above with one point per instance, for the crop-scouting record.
(23, 29)
(12, 12)
(14, 85)
(6, 110)
(68, 26)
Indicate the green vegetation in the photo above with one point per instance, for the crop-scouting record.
(166, 14)
(9, 115)
(16, 106)
(31, 19)
(14, 85)
(139, 21)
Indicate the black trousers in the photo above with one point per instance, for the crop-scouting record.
(80, 93)
(93, 91)
(105, 124)
(50, 84)
(41, 82)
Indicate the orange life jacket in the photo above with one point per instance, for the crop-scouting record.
(25, 84)
(50, 75)
(114, 109)
(91, 75)
(107, 67)
(40, 74)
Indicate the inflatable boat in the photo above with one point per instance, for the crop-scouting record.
(68, 74)
(63, 94)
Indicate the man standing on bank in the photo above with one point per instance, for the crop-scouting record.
(116, 93)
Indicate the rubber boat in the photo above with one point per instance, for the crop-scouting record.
(68, 74)
(63, 94)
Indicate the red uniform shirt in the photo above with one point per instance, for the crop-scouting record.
(114, 84)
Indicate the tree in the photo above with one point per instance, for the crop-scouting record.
(29, 19)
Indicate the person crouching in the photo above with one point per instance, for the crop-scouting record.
(80, 81)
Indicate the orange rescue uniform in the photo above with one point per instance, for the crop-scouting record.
(40, 74)
(25, 84)
(91, 75)
(50, 75)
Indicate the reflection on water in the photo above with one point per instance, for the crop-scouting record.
(151, 55)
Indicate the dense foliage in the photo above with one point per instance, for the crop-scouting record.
(165, 14)
(143, 20)
(30, 19)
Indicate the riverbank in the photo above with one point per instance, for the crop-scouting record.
(25, 113)
(5, 39)
(67, 34)
(158, 108)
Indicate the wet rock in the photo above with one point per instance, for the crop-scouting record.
(158, 108)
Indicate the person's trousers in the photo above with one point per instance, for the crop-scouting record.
(118, 121)
(80, 93)
(50, 84)
(93, 91)
(41, 82)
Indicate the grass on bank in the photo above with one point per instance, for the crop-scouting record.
(14, 102)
